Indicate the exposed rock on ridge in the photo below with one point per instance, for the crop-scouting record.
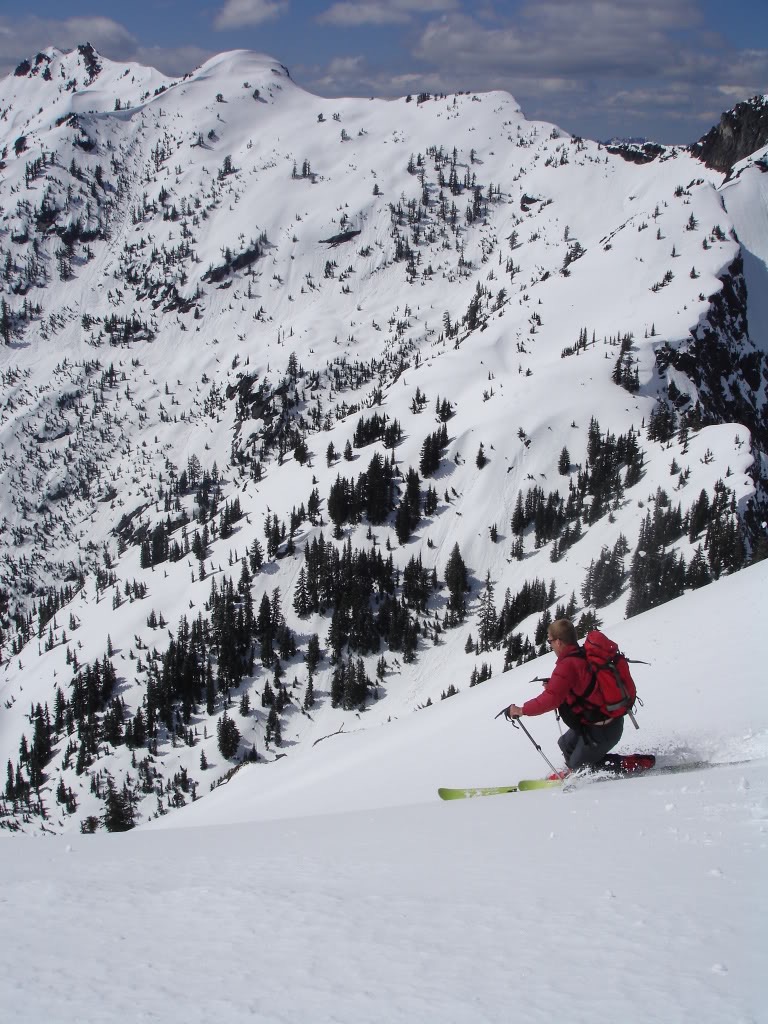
(740, 133)
(720, 360)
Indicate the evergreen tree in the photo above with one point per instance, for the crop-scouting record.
(488, 620)
(662, 423)
(698, 516)
(255, 556)
(402, 522)
(337, 685)
(377, 485)
(697, 574)
(300, 597)
(313, 654)
(210, 690)
(228, 736)
(309, 695)
(430, 501)
(605, 577)
(337, 504)
(456, 581)
(273, 731)
(412, 498)
(118, 809)
(518, 516)
(264, 630)
(431, 451)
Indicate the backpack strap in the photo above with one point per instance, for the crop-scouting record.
(578, 653)
(625, 701)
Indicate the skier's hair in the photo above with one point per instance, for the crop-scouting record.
(563, 629)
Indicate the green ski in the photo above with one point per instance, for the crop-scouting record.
(462, 794)
(525, 784)
(622, 766)
(522, 787)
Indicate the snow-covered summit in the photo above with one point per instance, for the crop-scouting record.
(238, 63)
(44, 89)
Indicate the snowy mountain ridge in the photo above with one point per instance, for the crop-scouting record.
(262, 348)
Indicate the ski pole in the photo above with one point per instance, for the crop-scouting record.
(516, 722)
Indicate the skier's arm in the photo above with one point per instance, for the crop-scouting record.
(551, 697)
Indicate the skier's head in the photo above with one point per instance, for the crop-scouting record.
(564, 631)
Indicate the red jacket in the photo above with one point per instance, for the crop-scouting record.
(570, 678)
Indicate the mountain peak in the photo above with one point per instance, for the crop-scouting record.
(240, 61)
(740, 132)
(83, 54)
(54, 83)
(38, 65)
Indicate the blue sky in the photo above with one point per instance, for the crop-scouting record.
(663, 69)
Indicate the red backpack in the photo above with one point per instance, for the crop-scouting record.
(611, 692)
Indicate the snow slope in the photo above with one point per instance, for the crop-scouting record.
(701, 699)
(89, 458)
(359, 897)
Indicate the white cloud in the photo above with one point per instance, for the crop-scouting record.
(97, 30)
(349, 14)
(731, 92)
(172, 61)
(600, 40)
(542, 44)
(342, 76)
(237, 13)
(352, 13)
(345, 66)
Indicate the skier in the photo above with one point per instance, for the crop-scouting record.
(582, 743)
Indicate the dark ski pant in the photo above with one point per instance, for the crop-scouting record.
(590, 744)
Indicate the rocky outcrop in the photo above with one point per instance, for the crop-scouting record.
(91, 61)
(740, 133)
(636, 153)
(726, 368)
(731, 378)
